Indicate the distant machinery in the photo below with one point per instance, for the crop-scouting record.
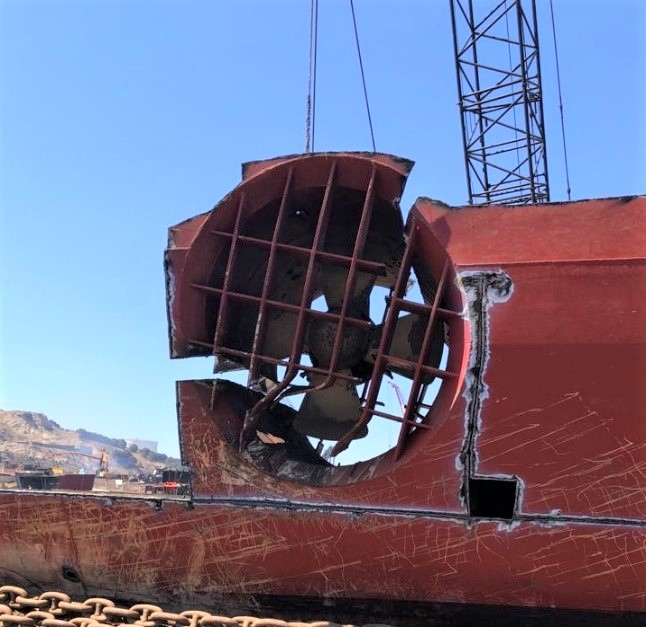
(104, 463)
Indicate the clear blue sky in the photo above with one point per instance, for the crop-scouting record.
(120, 118)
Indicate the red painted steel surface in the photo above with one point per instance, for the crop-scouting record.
(552, 364)
(197, 556)
(568, 350)
(425, 478)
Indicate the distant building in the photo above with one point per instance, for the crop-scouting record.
(151, 445)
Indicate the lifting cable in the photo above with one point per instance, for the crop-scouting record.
(310, 115)
(558, 81)
(363, 78)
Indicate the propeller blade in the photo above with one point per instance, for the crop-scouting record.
(333, 280)
(330, 413)
(407, 344)
(320, 343)
(279, 325)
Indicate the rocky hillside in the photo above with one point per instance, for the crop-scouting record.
(28, 438)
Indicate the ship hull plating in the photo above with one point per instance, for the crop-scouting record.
(529, 491)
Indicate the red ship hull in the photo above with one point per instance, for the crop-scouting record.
(550, 396)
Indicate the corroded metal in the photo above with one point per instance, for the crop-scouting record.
(523, 487)
(296, 228)
(57, 609)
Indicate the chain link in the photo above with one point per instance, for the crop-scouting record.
(57, 609)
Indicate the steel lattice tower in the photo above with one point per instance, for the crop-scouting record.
(501, 101)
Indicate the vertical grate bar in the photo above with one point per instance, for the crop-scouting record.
(261, 324)
(359, 244)
(223, 310)
(301, 321)
(411, 407)
(398, 291)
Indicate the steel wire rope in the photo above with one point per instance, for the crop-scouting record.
(363, 77)
(310, 115)
(558, 82)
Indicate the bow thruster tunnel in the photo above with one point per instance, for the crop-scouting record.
(306, 277)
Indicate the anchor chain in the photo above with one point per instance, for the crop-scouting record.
(57, 609)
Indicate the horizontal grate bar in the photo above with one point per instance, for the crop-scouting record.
(278, 362)
(295, 309)
(374, 267)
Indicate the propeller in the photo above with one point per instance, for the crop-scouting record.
(331, 412)
(407, 344)
(331, 404)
